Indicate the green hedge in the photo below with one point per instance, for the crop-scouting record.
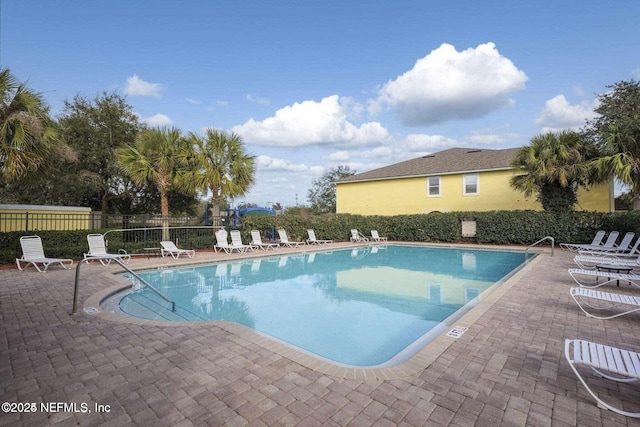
(495, 227)
(73, 244)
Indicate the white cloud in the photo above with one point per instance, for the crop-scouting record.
(158, 120)
(417, 142)
(258, 100)
(272, 164)
(137, 87)
(312, 123)
(339, 156)
(559, 114)
(450, 85)
(193, 101)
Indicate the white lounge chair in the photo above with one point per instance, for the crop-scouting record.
(574, 247)
(284, 240)
(624, 364)
(168, 247)
(608, 300)
(356, 236)
(222, 242)
(236, 242)
(621, 248)
(98, 248)
(609, 244)
(591, 261)
(256, 240)
(591, 278)
(313, 241)
(633, 252)
(33, 254)
(376, 238)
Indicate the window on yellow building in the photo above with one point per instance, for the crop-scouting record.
(433, 186)
(470, 184)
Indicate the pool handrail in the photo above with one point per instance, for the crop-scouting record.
(118, 260)
(540, 241)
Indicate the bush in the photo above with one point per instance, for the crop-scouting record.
(494, 227)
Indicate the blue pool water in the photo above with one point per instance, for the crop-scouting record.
(360, 307)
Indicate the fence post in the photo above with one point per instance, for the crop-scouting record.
(26, 221)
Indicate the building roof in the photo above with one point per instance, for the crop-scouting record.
(451, 161)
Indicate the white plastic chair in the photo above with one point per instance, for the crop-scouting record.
(623, 363)
(168, 247)
(356, 236)
(609, 244)
(256, 240)
(284, 240)
(313, 241)
(33, 254)
(221, 241)
(98, 248)
(236, 242)
(376, 238)
(591, 278)
(608, 300)
(597, 240)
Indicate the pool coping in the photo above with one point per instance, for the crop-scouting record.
(412, 365)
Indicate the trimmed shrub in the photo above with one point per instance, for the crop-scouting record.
(494, 227)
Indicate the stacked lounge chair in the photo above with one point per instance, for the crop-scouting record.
(356, 236)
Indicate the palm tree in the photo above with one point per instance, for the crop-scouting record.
(616, 132)
(27, 134)
(553, 167)
(221, 166)
(160, 156)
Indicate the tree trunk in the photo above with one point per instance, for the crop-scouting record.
(215, 207)
(164, 210)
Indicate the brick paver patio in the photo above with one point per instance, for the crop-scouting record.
(507, 369)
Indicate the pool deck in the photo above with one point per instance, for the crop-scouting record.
(506, 369)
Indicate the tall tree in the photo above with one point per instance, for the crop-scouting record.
(221, 166)
(616, 132)
(553, 167)
(95, 129)
(160, 156)
(322, 194)
(27, 134)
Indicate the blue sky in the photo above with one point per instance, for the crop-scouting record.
(313, 85)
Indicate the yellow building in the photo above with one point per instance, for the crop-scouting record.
(35, 218)
(458, 179)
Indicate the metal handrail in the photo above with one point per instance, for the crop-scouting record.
(118, 260)
(540, 241)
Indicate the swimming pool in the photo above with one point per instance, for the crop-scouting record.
(368, 306)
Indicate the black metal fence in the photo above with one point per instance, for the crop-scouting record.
(147, 240)
(35, 221)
